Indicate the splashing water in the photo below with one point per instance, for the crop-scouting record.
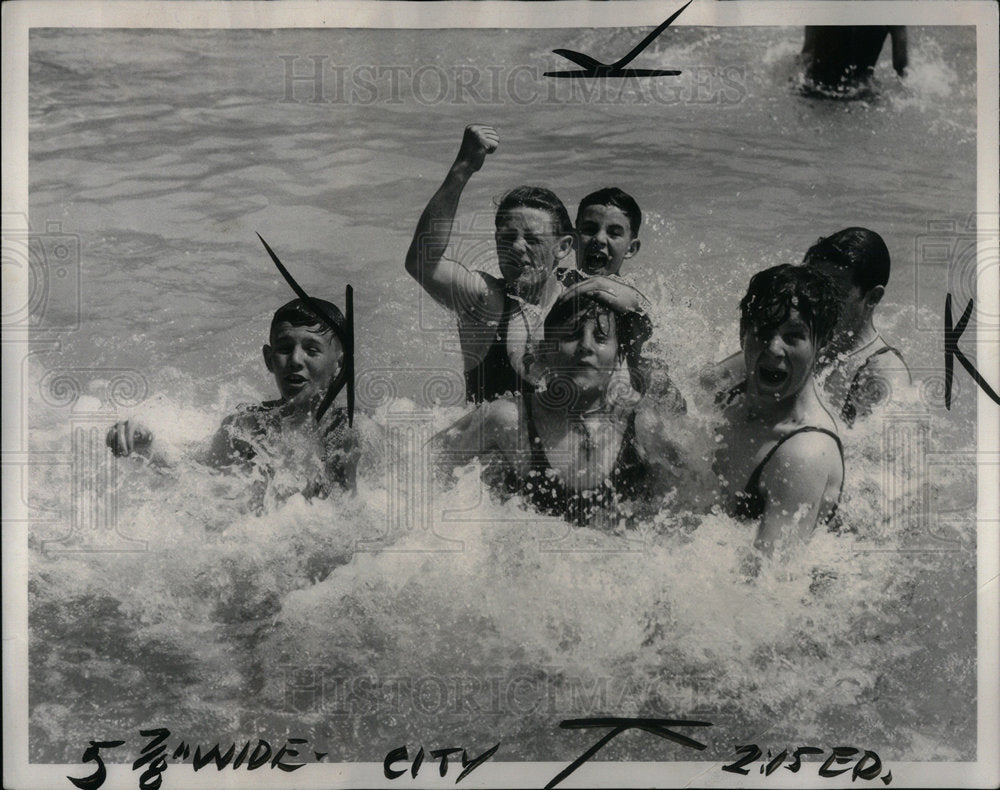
(427, 611)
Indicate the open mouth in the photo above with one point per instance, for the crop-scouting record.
(295, 381)
(772, 377)
(595, 260)
(513, 269)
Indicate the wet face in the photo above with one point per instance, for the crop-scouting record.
(528, 250)
(779, 361)
(605, 240)
(303, 359)
(586, 350)
(853, 302)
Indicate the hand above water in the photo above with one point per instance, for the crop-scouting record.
(129, 437)
(479, 140)
(610, 291)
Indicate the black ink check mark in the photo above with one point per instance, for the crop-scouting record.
(594, 68)
(616, 725)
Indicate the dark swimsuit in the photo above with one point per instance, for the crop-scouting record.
(750, 502)
(841, 57)
(849, 412)
(547, 492)
(495, 375)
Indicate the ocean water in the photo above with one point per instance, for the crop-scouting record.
(422, 611)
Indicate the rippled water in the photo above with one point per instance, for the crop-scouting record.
(347, 621)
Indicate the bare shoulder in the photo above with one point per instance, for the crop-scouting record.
(809, 452)
(652, 417)
(484, 303)
(724, 374)
(663, 436)
(889, 364)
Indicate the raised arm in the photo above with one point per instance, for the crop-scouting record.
(449, 282)
(802, 483)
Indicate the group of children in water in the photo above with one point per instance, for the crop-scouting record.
(571, 415)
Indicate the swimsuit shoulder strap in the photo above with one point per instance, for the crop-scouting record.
(627, 473)
(539, 460)
(849, 411)
(884, 349)
(753, 484)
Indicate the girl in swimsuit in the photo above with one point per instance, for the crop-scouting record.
(780, 460)
(576, 448)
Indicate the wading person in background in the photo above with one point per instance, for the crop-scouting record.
(839, 60)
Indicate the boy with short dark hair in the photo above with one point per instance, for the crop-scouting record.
(607, 230)
(305, 356)
(499, 318)
(860, 370)
(607, 227)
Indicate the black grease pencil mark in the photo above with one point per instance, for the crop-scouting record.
(346, 336)
(659, 727)
(598, 70)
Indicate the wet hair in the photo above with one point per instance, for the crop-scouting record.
(773, 293)
(575, 311)
(537, 198)
(298, 313)
(620, 199)
(861, 251)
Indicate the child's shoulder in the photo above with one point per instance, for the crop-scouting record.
(337, 428)
(247, 412)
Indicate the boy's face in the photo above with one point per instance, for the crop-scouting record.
(303, 359)
(856, 306)
(605, 240)
(528, 250)
(780, 361)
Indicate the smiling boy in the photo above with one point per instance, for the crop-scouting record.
(304, 356)
(607, 231)
(607, 228)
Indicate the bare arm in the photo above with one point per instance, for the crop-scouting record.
(678, 455)
(722, 376)
(485, 431)
(221, 452)
(797, 480)
(449, 282)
